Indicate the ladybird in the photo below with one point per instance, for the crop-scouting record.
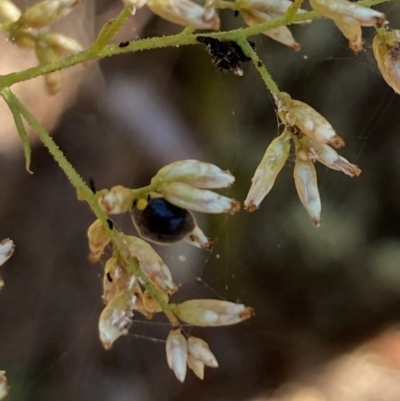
(160, 221)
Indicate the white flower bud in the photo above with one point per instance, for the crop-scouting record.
(212, 312)
(305, 179)
(117, 200)
(264, 178)
(98, 240)
(317, 151)
(349, 17)
(386, 47)
(151, 263)
(198, 239)
(63, 45)
(47, 12)
(300, 115)
(116, 318)
(186, 13)
(4, 389)
(199, 349)
(7, 248)
(199, 200)
(196, 366)
(177, 353)
(195, 173)
(9, 12)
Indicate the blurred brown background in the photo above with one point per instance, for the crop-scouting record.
(327, 300)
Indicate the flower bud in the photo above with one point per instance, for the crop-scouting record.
(317, 151)
(196, 366)
(47, 12)
(198, 239)
(9, 12)
(46, 55)
(63, 45)
(305, 179)
(7, 249)
(212, 312)
(199, 200)
(199, 349)
(151, 263)
(300, 115)
(386, 46)
(195, 173)
(264, 178)
(98, 240)
(186, 13)
(177, 353)
(117, 200)
(349, 17)
(116, 318)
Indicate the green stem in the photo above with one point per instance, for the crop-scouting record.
(76, 180)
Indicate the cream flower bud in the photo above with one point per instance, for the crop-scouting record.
(195, 173)
(317, 151)
(9, 12)
(116, 318)
(196, 366)
(386, 46)
(63, 45)
(177, 353)
(7, 248)
(199, 200)
(47, 12)
(117, 200)
(98, 240)
(199, 349)
(212, 312)
(264, 178)
(300, 115)
(349, 17)
(198, 239)
(305, 179)
(4, 389)
(186, 13)
(45, 55)
(151, 263)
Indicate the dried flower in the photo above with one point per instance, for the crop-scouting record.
(117, 200)
(98, 240)
(7, 249)
(177, 353)
(305, 179)
(212, 312)
(9, 12)
(257, 11)
(386, 46)
(308, 121)
(116, 318)
(349, 18)
(264, 178)
(47, 12)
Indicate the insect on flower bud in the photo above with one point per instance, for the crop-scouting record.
(308, 121)
(7, 248)
(116, 318)
(186, 13)
(151, 263)
(386, 46)
(212, 312)
(195, 173)
(177, 353)
(9, 12)
(199, 200)
(305, 179)
(98, 240)
(264, 178)
(349, 17)
(117, 200)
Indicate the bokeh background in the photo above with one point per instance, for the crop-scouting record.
(327, 300)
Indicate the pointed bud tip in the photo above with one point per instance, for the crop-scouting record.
(250, 206)
(296, 47)
(337, 142)
(316, 222)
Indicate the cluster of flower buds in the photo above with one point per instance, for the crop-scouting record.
(162, 214)
(386, 45)
(257, 11)
(349, 18)
(181, 12)
(314, 138)
(24, 30)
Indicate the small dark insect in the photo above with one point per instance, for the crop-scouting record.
(259, 64)
(91, 184)
(110, 224)
(124, 44)
(109, 278)
(236, 13)
(227, 56)
(160, 221)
